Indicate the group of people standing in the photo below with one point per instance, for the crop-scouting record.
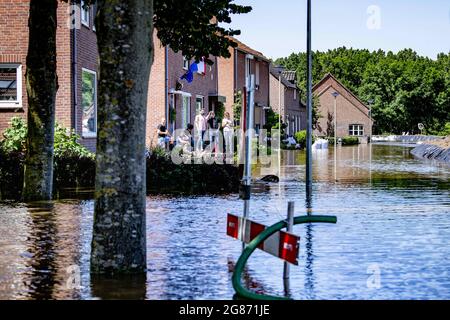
(206, 128)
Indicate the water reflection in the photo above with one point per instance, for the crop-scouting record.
(393, 211)
(42, 242)
(309, 263)
(124, 287)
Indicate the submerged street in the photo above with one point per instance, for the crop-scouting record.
(392, 212)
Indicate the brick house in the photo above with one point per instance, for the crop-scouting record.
(283, 88)
(175, 99)
(352, 114)
(232, 77)
(76, 66)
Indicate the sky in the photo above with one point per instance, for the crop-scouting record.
(278, 28)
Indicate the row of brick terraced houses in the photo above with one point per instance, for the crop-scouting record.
(169, 97)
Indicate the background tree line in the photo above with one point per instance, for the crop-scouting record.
(406, 88)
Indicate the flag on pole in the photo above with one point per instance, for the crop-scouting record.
(189, 75)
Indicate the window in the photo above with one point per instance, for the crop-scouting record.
(89, 103)
(185, 63)
(85, 13)
(198, 104)
(10, 86)
(295, 94)
(356, 130)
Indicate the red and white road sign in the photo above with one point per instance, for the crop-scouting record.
(281, 244)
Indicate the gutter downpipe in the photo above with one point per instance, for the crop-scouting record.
(74, 79)
(166, 85)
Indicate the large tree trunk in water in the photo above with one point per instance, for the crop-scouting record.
(124, 33)
(42, 85)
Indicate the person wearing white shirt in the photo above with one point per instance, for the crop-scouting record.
(228, 134)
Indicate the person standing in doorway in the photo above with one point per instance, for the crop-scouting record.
(213, 129)
(200, 129)
(163, 134)
(228, 133)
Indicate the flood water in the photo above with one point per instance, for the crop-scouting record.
(392, 239)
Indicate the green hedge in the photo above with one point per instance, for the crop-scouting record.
(163, 176)
(350, 141)
(300, 137)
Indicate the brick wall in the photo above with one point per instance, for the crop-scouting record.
(203, 85)
(292, 111)
(14, 47)
(156, 103)
(226, 77)
(349, 109)
(275, 95)
(64, 65)
(232, 79)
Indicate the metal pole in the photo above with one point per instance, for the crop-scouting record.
(370, 141)
(250, 128)
(248, 147)
(335, 139)
(309, 105)
(290, 224)
(279, 127)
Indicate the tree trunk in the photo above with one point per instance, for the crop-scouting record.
(42, 84)
(124, 33)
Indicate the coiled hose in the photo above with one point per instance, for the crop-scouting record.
(243, 293)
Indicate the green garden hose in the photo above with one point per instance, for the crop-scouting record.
(241, 292)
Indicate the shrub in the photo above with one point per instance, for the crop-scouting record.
(74, 168)
(66, 141)
(446, 130)
(74, 165)
(67, 145)
(14, 137)
(163, 176)
(300, 137)
(350, 141)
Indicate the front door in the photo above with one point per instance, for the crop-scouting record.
(185, 111)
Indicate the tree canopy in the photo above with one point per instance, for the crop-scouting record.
(405, 87)
(194, 27)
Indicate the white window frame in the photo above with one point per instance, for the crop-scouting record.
(16, 104)
(85, 14)
(186, 63)
(90, 135)
(356, 130)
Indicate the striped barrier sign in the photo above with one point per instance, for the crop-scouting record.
(281, 244)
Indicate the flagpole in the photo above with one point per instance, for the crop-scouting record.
(309, 111)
